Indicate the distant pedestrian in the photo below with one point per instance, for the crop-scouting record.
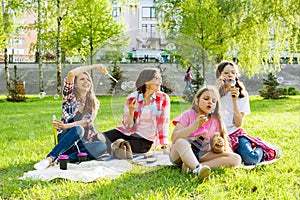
(188, 79)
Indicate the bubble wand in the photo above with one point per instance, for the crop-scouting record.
(110, 76)
(55, 132)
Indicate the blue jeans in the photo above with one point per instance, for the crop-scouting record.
(66, 145)
(249, 155)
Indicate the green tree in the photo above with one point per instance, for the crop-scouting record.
(90, 24)
(255, 33)
(11, 9)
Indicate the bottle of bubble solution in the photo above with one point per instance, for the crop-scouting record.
(54, 131)
(216, 137)
(232, 85)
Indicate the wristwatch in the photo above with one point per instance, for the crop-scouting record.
(163, 147)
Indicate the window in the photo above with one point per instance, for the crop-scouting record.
(116, 12)
(148, 13)
(18, 41)
(150, 29)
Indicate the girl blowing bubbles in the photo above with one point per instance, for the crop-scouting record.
(234, 106)
(194, 137)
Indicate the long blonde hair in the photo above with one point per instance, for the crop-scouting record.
(215, 112)
(91, 105)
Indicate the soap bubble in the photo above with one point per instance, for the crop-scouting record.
(56, 96)
(100, 83)
(85, 42)
(31, 135)
(131, 84)
(280, 80)
(42, 95)
(283, 66)
(167, 7)
(178, 19)
(170, 46)
(124, 86)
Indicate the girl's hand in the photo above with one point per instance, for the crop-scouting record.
(235, 93)
(219, 146)
(220, 82)
(201, 119)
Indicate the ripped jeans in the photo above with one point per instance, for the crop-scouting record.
(66, 145)
(249, 155)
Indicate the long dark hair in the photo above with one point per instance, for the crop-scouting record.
(238, 83)
(144, 76)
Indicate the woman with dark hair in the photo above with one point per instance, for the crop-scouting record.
(146, 115)
(199, 140)
(188, 79)
(234, 106)
(79, 110)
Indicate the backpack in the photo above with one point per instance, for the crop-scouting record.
(185, 77)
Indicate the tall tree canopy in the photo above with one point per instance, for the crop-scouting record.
(257, 33)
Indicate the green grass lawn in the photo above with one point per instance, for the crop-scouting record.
(26, 137)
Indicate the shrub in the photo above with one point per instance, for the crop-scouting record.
(270, 90)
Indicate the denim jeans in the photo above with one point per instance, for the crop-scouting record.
(66, 145)
(249, 155)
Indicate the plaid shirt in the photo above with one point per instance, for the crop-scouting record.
(269, 152)
(159, 113)
(70, 107)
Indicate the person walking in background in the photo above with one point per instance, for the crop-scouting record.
(199, 139)
(79, 110)
(188, 79)
(146, 115)
(234, 106)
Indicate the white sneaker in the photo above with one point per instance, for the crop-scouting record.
(202, 172)
(43, 164)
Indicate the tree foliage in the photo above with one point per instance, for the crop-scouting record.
(256, 33)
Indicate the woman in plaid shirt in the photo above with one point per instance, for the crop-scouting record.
(146, 115)
(79, 110)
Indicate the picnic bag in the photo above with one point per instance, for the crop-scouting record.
(121, 149)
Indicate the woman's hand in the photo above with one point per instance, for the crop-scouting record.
(101, 68)
(132, 104)
(59, 125)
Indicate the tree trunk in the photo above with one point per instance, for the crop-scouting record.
(6, 70)
(58, 49)
(38, 49)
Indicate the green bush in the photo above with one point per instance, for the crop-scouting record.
(293, 91)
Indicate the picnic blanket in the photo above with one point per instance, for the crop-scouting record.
(149, 159)
(85, 171)
(104, 167)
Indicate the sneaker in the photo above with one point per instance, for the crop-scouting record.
(185, 169)
(43, 164)
(202, 172)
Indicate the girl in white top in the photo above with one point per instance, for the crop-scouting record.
(234, 106)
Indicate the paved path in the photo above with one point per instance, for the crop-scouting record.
(29, 74)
